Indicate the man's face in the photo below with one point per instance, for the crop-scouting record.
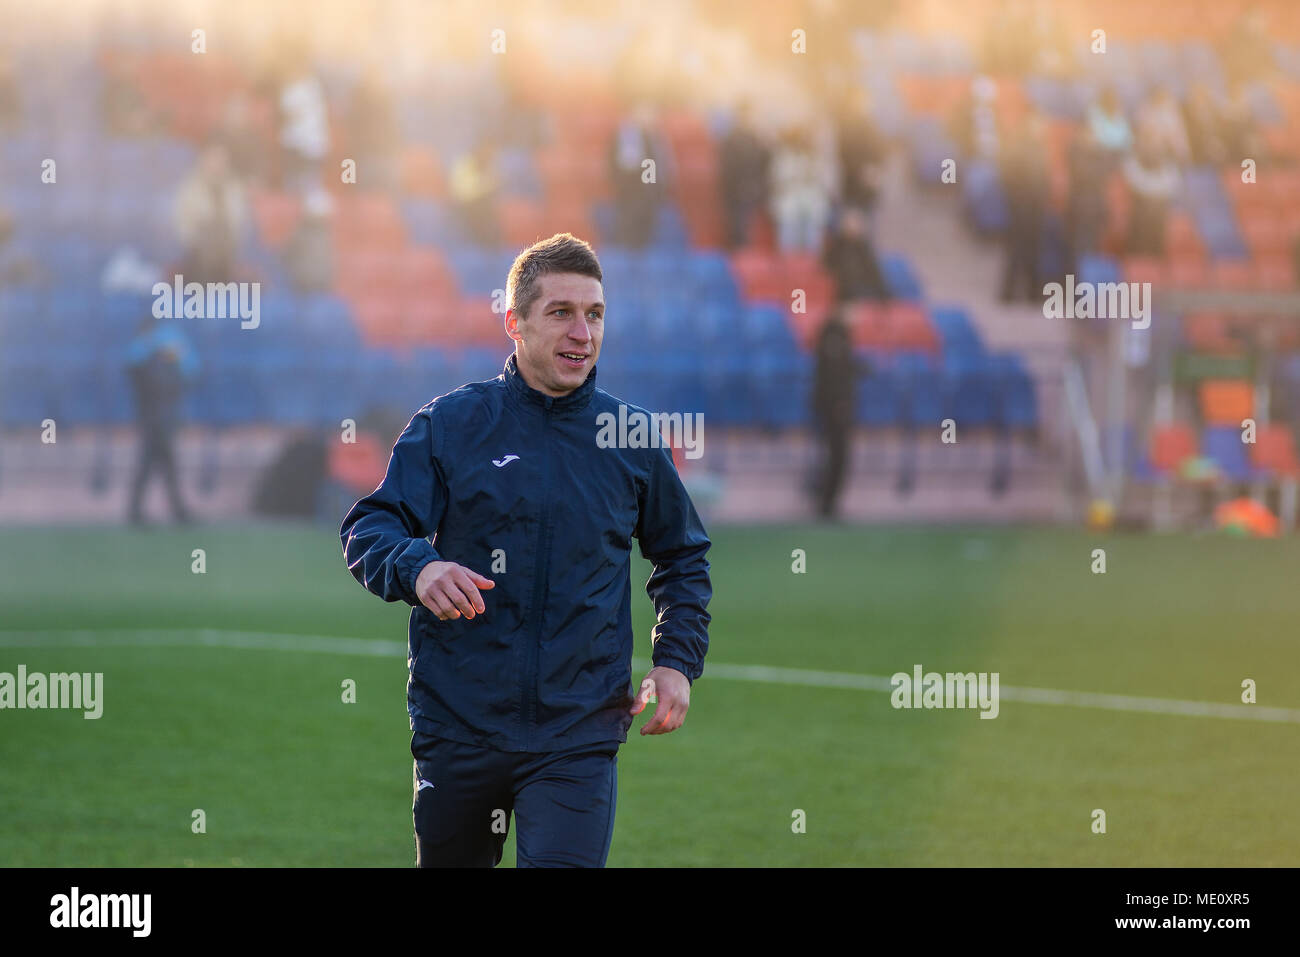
(558, 343)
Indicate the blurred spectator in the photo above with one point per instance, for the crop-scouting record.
(861, 153)
(1242, 136)
(11, 107)
(800, 193)
(304, 121)
(636, 203)
(210, 211)
(974, 123)
(1153, 179)
(1109, 126)
(474, 189)
(834, 402)
(1085, 205)
(1203, 119)
(743, 169)
(1160, 123)
(160, 362)
(309, 253)
(1025, 183)
(245, 142)
(851, 260)
(372, 131)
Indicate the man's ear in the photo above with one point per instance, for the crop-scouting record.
(512, 325)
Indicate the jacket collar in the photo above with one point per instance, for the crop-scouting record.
(523, 392)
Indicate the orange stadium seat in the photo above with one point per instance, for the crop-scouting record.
(521, 220)
(1182, 237)
(1232, 274)
(1226, 401)
(1171, 445)
(422, 174)
(870, 324)
(358, 465)
(1275, 271)
(1265, 233)
(910, 327)
(1274, 450)
(1144, 269)
(1187, 270)
(275, 215)
(1208, 332)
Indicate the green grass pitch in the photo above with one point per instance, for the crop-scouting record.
(289, 775)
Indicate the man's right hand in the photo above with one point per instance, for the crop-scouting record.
(450, 590)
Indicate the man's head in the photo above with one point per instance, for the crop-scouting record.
(556, 312)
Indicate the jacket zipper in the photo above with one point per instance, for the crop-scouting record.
(540, 582)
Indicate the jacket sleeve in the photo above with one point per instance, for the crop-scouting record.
(386, 534)
(673, 539)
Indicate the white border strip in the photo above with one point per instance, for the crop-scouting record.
(379, 648)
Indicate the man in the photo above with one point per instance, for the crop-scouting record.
(160, 365)
(834, 407)
(520, 634)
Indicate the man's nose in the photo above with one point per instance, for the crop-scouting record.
(579, 330)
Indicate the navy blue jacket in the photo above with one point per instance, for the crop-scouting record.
(548, 665)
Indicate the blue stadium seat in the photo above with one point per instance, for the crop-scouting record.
(1223, 446)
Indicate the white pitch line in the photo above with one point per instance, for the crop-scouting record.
(378, 648)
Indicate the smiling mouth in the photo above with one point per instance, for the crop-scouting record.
(574, 356)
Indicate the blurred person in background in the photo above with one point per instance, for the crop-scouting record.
(475, 187)
(1202, 117)
(1108, 126)
(800, 193)
(1160, 124)
(974, 121)
(1085, 205)
(209, 212)
(1152, 178)
(309, 253)
(1024, 181)
(861, 152)
(834, 405)
(244, 141)
(636, 203)
(743, 170)
(1242, 136)
(850, 257)
(160, 363)
(304, 120)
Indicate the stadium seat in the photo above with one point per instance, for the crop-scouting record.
(1275, 451)
(1223, 446)
(1226, 401)
(1171, 446)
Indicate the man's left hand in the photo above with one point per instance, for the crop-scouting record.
(674, 696)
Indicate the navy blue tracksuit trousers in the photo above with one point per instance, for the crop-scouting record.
(563, 802)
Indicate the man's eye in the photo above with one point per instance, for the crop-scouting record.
(561, 312)
(594, 315)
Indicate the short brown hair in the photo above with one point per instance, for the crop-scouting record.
(563, 252)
